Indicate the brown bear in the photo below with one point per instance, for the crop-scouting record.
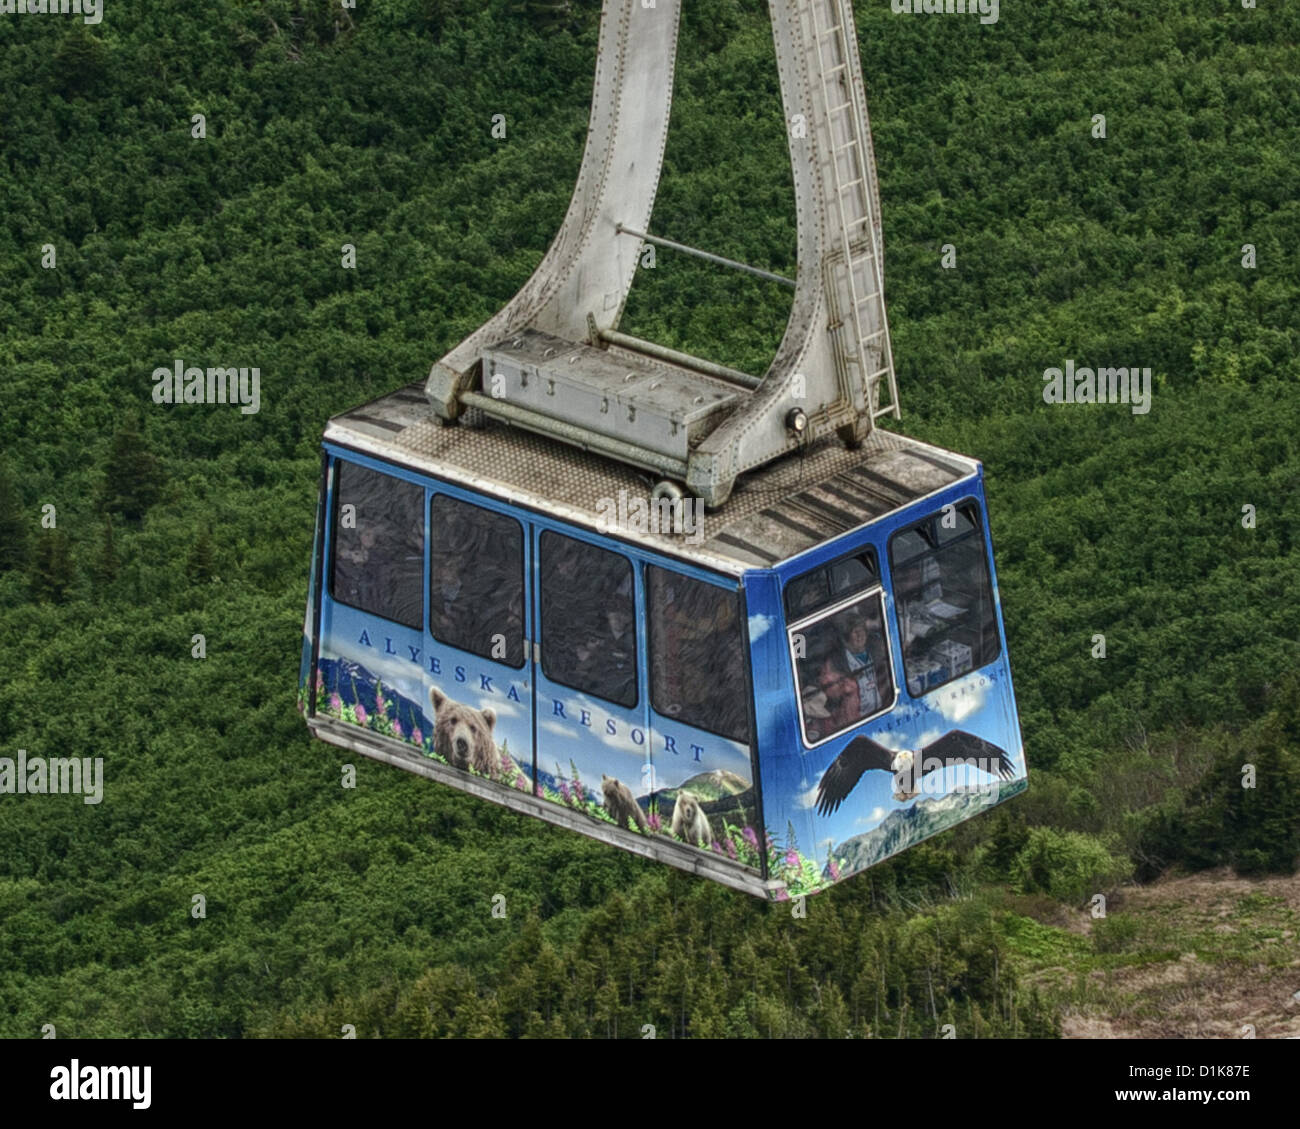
(620, 804)
(462, 736)
(689, 821)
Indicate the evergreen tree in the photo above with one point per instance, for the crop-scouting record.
(107, 564)
(53, 572)
(13, 525)
(133, 477)
(545, 14)
(200, 566)
(79, 60)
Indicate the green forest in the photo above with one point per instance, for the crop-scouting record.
(179, 182)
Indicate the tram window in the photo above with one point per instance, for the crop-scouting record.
(943, 598)
(697, 654)
(842, 666)
(476, 580)
(378, 544)
(588, 619)
(829, 584)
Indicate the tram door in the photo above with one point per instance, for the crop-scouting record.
(591, 734)
(478, 668)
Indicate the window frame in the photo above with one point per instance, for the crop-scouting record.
(434, 494)
(868, 549)
(877, 590)
(631, 563)
(979, 533)
(742, 639)
(332, 564)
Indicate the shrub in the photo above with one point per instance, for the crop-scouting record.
(1068, 865)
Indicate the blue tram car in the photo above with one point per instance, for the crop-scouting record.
(774, 695)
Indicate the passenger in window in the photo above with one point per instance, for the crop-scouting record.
(359, 580)
(612, 658)
(848, 676)
(606, 651)
(445, 584)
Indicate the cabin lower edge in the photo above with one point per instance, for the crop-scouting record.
(690, 859)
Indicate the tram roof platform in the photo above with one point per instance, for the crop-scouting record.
(775, 512)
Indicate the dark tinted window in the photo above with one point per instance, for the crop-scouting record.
(943, 598)
(830, 584)
(378, 544)
(842, 666)
(588, 619)
(697, 654)
(476, 580)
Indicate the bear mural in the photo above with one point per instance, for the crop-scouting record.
(462, 736)
(690, 824)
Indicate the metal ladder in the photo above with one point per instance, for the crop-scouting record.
(853, 269)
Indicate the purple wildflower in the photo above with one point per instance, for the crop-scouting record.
(751, 838)
(654, 822)
(564, 791)
(791, 858)
(717, 847)
(397, 730)
(417, 736)
(579, 792)
(834, 871)
(336, 704)
(731, 848)
(362, 716)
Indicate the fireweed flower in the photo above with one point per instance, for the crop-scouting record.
(417, 736)
(336, 704)
(751, 838)
(362, 716)
(791, 858)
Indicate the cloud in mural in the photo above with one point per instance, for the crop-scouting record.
(968, 698)
(873, 817)
(808, 798)
(503, 706)
(759, 625)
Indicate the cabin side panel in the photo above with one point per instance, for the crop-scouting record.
(392, 661)
(886, 708)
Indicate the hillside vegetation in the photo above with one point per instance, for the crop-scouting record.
(372, 126)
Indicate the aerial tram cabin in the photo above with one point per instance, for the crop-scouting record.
(722, 621)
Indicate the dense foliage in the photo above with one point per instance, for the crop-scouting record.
(372, 126)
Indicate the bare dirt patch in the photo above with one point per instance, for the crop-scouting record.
(1213, 956)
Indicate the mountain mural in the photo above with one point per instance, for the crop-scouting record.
(908, 826)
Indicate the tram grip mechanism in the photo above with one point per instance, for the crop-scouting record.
(551, 360)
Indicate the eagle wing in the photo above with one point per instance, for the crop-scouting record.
(960, 747)
(860, 755)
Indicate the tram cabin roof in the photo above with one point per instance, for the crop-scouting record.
(774, 514)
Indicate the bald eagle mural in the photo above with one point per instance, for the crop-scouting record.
(909, 769)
